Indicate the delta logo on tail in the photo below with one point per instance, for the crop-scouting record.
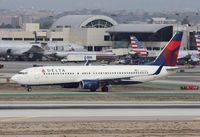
(169, 55)
(197, 39)
(137, 48)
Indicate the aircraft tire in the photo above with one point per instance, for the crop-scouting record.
(104, 89)
(92, 89)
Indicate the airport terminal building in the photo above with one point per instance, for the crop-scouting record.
(96, 32)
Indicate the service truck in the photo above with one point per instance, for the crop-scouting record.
(78, 58)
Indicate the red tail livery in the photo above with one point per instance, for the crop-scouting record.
(169, 55)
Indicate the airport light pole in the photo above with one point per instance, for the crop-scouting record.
(197, 14)
(177, 14)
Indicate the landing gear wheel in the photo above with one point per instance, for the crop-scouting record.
(104, 89)
(28, 88)
(92, 89)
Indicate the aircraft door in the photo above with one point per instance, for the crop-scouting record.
(37, 75)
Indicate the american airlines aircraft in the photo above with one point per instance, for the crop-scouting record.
(138, 50)
(94, 77)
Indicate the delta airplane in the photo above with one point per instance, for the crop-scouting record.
(94, 77)
(138, 50)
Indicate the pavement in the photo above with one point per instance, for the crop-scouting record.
(74, 112)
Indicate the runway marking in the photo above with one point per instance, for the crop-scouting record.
(14, 119)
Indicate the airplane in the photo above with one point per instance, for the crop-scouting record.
(63, 50)
(21, 50)
(59, 46)
(197, 39)
(93, 77)
(137, 48)
(142, 52)
(64, 46)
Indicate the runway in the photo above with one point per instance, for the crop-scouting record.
(95, 111)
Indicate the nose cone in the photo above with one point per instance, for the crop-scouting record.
(14, 78)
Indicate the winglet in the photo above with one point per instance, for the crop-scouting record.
(158, 70)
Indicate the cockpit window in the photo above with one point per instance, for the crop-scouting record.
(23, 73)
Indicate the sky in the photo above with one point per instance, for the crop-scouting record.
(108, 5)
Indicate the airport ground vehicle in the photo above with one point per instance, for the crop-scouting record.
(189, 87)
(78, 58)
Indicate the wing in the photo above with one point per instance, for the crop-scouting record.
(35, 49)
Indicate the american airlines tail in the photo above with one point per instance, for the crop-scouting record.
(137, 47)
(169, 55)
(197, 39)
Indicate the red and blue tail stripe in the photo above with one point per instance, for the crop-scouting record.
(135, 43)
(197, 39)
(137, 47)
(169, 55)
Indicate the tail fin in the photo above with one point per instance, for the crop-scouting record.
(135, 44)
(137, 47)
(169, 55)
(197, 39)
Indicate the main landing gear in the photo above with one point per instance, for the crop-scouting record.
(28, 88)
(104, 89)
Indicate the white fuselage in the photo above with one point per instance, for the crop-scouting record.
(69, 74)
(16, 48)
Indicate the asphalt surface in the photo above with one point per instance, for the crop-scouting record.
(73, 112)
(158, 93)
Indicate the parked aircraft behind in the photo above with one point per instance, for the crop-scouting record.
(21, 50)
(137, 48)
(62, 51)
(136, 45)
(94, 77)
(197, 39)
(63, 47)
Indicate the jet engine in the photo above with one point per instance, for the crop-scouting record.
(93, 85)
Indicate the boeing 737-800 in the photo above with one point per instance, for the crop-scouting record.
(94, 77)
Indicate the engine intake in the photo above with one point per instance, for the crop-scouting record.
(93, 85)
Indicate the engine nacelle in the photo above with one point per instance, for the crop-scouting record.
(93, 85)
(70, 85)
